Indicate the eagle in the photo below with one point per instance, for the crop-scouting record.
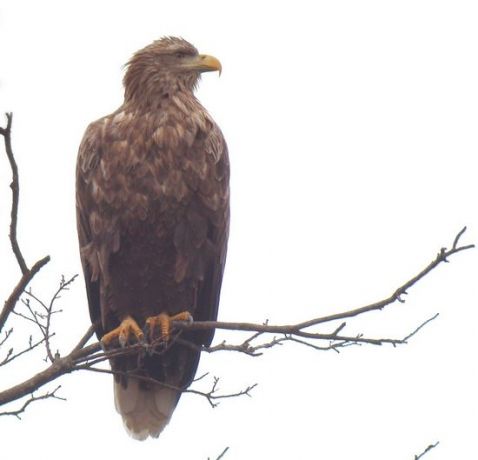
(152, 200)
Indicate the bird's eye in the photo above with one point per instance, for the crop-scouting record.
(179, 55)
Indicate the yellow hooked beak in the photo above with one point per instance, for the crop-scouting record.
(204, 63)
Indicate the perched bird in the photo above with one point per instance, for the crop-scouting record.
(152, 190)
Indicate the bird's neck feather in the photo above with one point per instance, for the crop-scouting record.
(154, 90)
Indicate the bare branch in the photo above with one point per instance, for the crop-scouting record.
(59, 367)
(428, 449)
(19, 289)
(7, 335)
(85, 357)
(15, 186)
(419, 327)
(442, 256)
(212, 395)
(43, 320)
(221, 455)
(47, 395)
(335, 341)
(87, 336)
(10, 356)
(27, 274)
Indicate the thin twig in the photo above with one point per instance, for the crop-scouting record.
(19, 289)
(221, 455)
(47, 395)
(64, 286)
(7, 335)
(212, 395)
(43, 320)
(84, 340)
(10, 356)
(428, 449)
(419, 327)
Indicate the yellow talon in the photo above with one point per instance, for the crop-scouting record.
(123, 332)
(163, 321)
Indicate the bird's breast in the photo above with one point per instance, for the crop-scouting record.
(150, 167)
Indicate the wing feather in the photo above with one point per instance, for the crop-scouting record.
(88, 159)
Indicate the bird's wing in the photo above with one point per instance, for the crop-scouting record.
(216, 198)
(88, 159)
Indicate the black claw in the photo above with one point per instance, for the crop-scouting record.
(190, 320)
(122, 341)
(147, 333)
(149, 350)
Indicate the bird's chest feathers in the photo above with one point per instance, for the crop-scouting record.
(154, 161)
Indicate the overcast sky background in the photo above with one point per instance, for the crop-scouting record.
(352, 130)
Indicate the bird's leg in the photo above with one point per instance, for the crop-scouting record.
(123, 332)
(163, 321)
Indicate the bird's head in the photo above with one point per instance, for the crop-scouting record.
(165, 67)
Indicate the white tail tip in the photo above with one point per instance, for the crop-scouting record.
(145, 412)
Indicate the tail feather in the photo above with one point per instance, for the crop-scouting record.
(145, 412)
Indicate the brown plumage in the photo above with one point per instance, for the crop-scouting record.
(153, 220)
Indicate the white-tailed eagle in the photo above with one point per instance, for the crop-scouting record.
(153, 221)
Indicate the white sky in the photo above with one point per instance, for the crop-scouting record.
(352, 129)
